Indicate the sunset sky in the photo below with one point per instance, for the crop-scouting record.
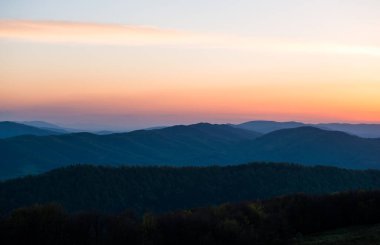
(121, 65)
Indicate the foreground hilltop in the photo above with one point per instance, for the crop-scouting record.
(284, 220)
(159, 189)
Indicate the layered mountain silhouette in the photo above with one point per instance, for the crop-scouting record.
(268, 126)
(309, 145)
(260, 126)
(12, 129)
(362, 130)
(47, 126)
(199, 144)
(194, 145)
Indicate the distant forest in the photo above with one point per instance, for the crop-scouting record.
(163, 189)
(282, 220)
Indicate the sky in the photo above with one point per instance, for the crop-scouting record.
(122, 65)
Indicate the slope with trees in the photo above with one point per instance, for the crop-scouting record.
(282, 220)
(160, 189)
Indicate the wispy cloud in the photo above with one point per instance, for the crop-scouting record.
(88, 33)
(134, 35)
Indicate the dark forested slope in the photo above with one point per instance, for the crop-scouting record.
(165, 188)
(282, 220)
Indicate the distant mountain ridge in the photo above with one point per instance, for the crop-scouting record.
(268, 126)
(362, 130)
(45, 125)
(309, 145)
(260, 126)
(12, 129)
(198, 144)
(194, 145)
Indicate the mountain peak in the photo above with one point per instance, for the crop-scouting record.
(268, 126)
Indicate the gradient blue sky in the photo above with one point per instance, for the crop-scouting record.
(293, 18)
(187, 61)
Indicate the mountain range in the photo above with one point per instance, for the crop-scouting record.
(193, 145)
(199, 144)
(46, 125)
(362, 130)
(12, 129)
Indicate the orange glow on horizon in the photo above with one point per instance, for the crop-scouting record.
(121, 69)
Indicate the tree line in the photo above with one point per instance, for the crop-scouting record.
(281, 220)
(163, 189)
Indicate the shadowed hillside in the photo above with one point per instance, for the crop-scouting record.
(165, 188)
(283, 220)
(358, 235)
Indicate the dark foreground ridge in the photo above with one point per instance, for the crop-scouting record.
(355, 235)
(283, 220)
(162, 189)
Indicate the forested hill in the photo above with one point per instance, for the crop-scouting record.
(294, 219)
(160, 189)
